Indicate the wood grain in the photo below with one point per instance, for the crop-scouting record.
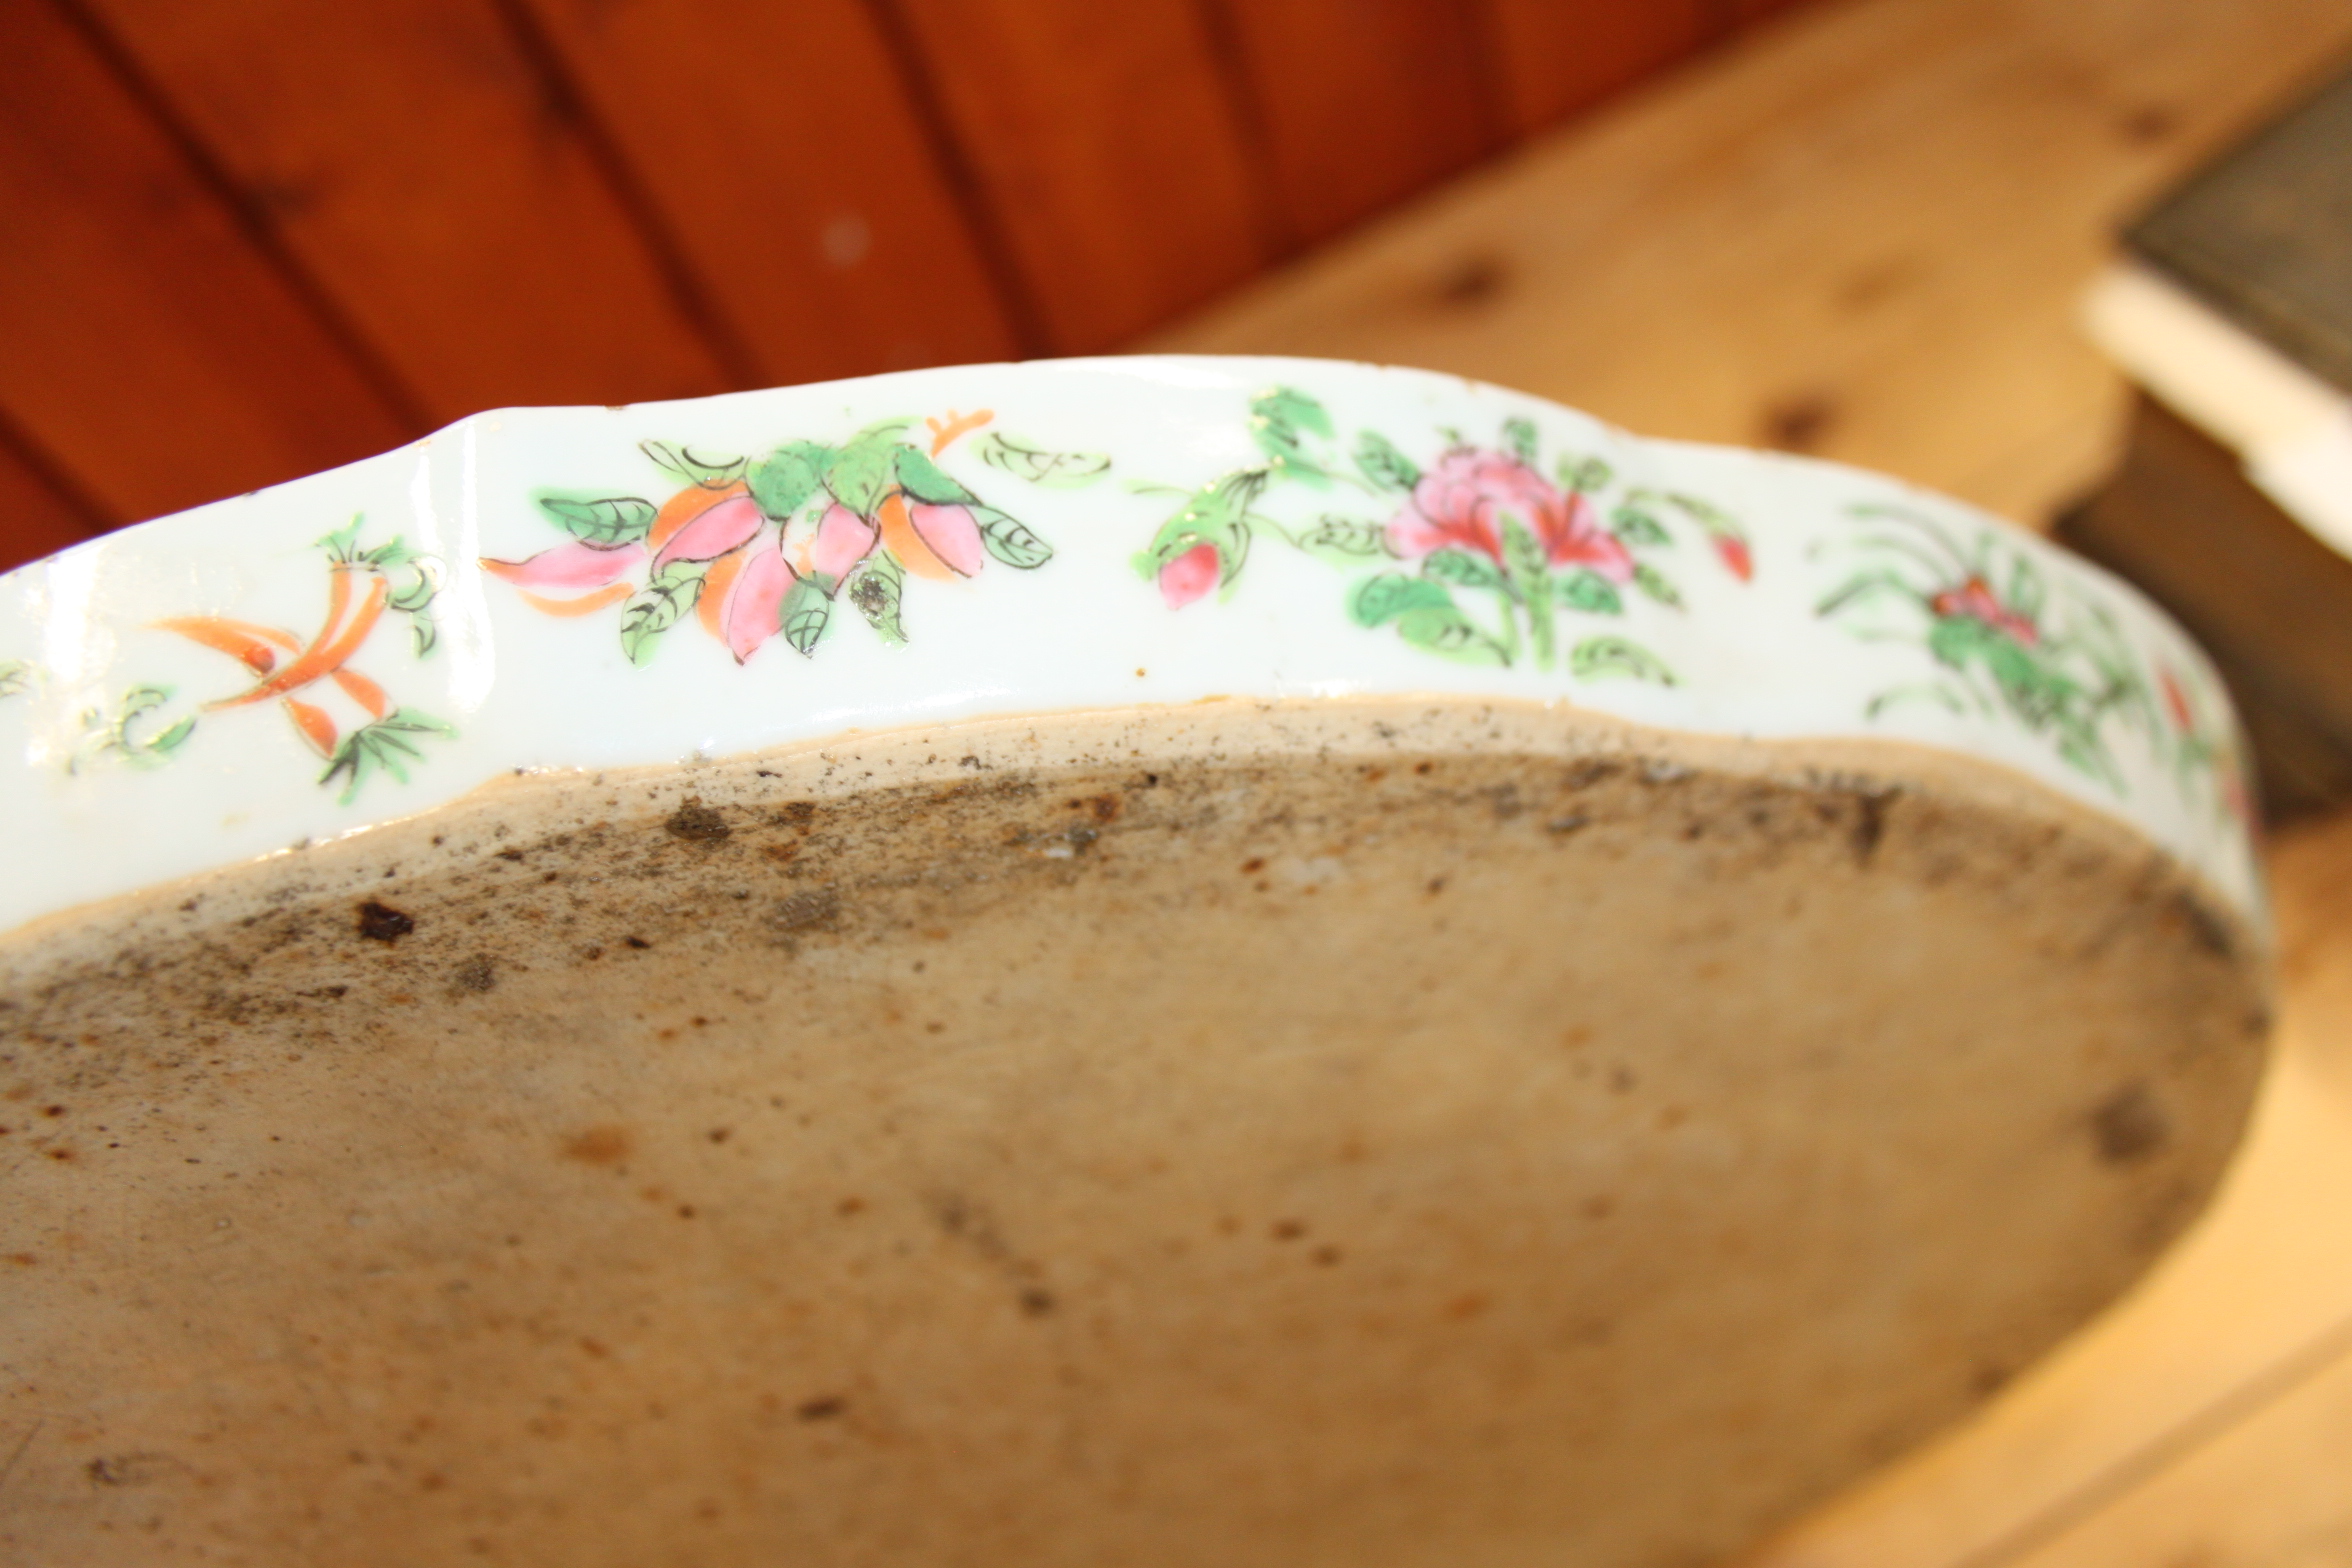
(413, 157)
(1823, 236)
(1557, 58)
(145, 344)
(776, 147)
(1107, 144)
(38, 516)
(1361, 102)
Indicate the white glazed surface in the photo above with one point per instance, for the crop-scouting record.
(1827, 636)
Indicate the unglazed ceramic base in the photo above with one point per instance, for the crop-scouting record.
(1359, 1132)
(1120, 962)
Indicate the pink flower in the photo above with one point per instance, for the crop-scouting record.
(952, 534)
(843, 540)
(576, 565)
(1462, 502)
(755, 600)
(1975, 600)
(1190, 576)
(1734, 551)
(713, 532)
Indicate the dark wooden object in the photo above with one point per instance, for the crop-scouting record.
(2270, 602)
(2265, 235)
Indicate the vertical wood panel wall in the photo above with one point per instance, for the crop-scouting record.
(247, 241)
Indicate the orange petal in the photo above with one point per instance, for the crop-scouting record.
(715, 585)
(587, 606)
(363, 691)
(240, 640)
(315, 726)
(685, 507)
(900, 538)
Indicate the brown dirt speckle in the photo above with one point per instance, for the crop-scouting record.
(602, 1145)
(382, 923)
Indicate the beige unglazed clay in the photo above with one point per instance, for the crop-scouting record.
(1349, 1132)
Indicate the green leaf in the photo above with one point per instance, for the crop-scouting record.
(658, 606)
(17, 677)
(1592, 593)
(1343, 539)
(172, 739)
(1380, 461)
(2026, 594)
(605, 520)
(1277, 419)
(925, 481)
(1378, 600)
(1446, 630)
(340, 544)
(1522, 554)
(1653, 582)
(710, 472)
(380, 747)
(877, 588)
(1638, 529)
(805, 614)
(1218, 514)
(1519, 436)
(864, 470)
(1597, 658)
(1053, 470)
(1464, 567)
(1584, 475)
(1010, 540)
(788, 476)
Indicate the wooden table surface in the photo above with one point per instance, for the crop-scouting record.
(1865, 233)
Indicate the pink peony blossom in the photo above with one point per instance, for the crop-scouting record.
(843, 540)
(713, 532)
(755, 600)
(1461, 503)
(952, 534)
(1190, 576)
(575, 565)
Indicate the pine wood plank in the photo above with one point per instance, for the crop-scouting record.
(145, 344)
(813, 212)
(410, 154)
(1363, 102)
(37, 517)
(1558, 58)
(1861, 231)
(1109, 149)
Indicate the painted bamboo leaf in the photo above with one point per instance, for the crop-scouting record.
(381, 747)
(1584, 476)
(1638, 528)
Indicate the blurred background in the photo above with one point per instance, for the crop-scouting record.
(251, 240)
(241, 240)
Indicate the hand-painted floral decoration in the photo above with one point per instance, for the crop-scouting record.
(1482, 522)
(2001, 640)
(753, 547)
(369, 736)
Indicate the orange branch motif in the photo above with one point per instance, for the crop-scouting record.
(944, 435)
